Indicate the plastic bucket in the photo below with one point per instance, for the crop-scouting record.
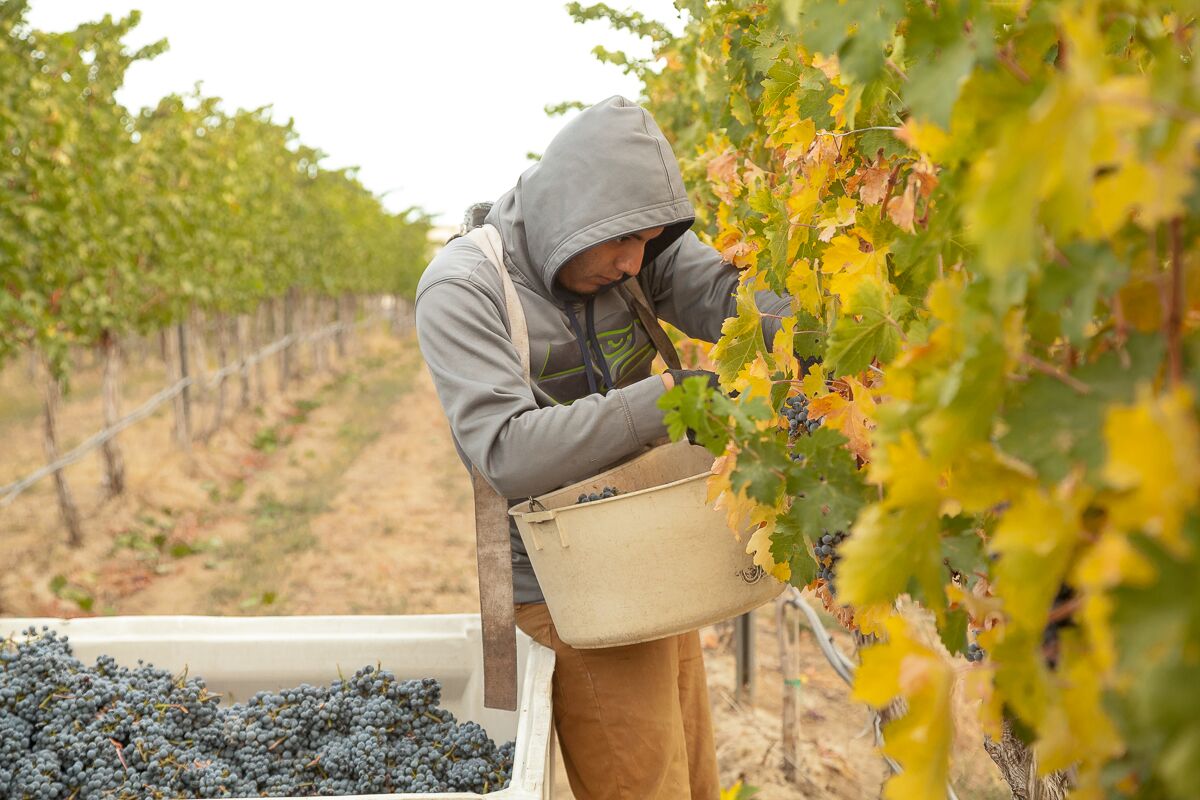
(654, 561)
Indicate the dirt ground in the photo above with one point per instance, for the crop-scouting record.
(346, 497)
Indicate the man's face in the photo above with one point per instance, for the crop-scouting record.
(593, 269)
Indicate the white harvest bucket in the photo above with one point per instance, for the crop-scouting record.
(654, 561)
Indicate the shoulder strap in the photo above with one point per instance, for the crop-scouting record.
(487, 239)
(632, 292)
(493, 547)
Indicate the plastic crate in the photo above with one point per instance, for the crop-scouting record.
(238, 656)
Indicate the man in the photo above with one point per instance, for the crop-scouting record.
(605, 204)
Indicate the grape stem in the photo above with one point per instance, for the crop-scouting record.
(1035, 363)
(857, 130)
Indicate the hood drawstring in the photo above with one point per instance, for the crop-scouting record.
(583, 349)
(591, 329)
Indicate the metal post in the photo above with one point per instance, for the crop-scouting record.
(743, 637)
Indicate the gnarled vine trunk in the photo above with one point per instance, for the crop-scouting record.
(1018, 765)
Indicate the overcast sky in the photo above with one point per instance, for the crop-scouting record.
(437, 102)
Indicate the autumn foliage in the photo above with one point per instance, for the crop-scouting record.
(987, 217)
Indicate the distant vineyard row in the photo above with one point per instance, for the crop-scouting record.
(113, 221)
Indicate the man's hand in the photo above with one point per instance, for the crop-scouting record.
(674, 377)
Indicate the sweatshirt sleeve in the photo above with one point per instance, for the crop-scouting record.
(694, 290)
(520, 448)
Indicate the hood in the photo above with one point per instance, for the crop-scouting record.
(609, 172)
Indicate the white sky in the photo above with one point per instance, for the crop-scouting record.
(384, 85)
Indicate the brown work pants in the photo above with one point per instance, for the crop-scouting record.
(633, 721)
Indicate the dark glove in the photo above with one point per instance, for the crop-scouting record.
(680, 375)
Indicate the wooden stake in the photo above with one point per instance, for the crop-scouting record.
(789, 666)
(285, 355)
(185, 432)
(241, 323)
(66, 502)
(222, 336)
(114, 464)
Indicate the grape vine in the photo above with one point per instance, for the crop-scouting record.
(114, 221)
(986, 216)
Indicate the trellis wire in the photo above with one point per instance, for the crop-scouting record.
(10, 492)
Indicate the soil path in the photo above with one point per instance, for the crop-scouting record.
(347, 497)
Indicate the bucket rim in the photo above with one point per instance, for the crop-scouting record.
(523, 511)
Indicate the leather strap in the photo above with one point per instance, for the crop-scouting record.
(633, 294)
(493, 546)
(494, 553)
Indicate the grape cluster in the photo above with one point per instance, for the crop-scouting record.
(795, 411)
(68, 731)
(604, 494)
(827, 556)
(974, 652)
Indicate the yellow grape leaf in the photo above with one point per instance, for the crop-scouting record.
(900, 536)
(740, 511)
(1075, 729)
(783, 354)
(978, 684)
(793, 133)
(982, 477)
(926, 138)
(813, 384)
(803, 202)
(850, 266)
(852, 418)
(911, 478)
(755, 381)
(888, 546)
(845, 214)
(1035, 538)
(837, 106)
(1111, 561)
(802, 286)
(1154, 463)
(759, 546)
(921, 740)
(872, 619)
(720, 473)
(741, 338)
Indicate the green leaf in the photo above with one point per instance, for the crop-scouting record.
(782, 80)
(827, 491)
(933, 84)
(874, 334)
(761, 470)
(953, 631)
(1054, 428)
(1158, 635)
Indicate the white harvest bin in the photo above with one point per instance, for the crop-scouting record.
(238, 656)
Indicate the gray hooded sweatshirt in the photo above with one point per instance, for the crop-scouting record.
(593, 401)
